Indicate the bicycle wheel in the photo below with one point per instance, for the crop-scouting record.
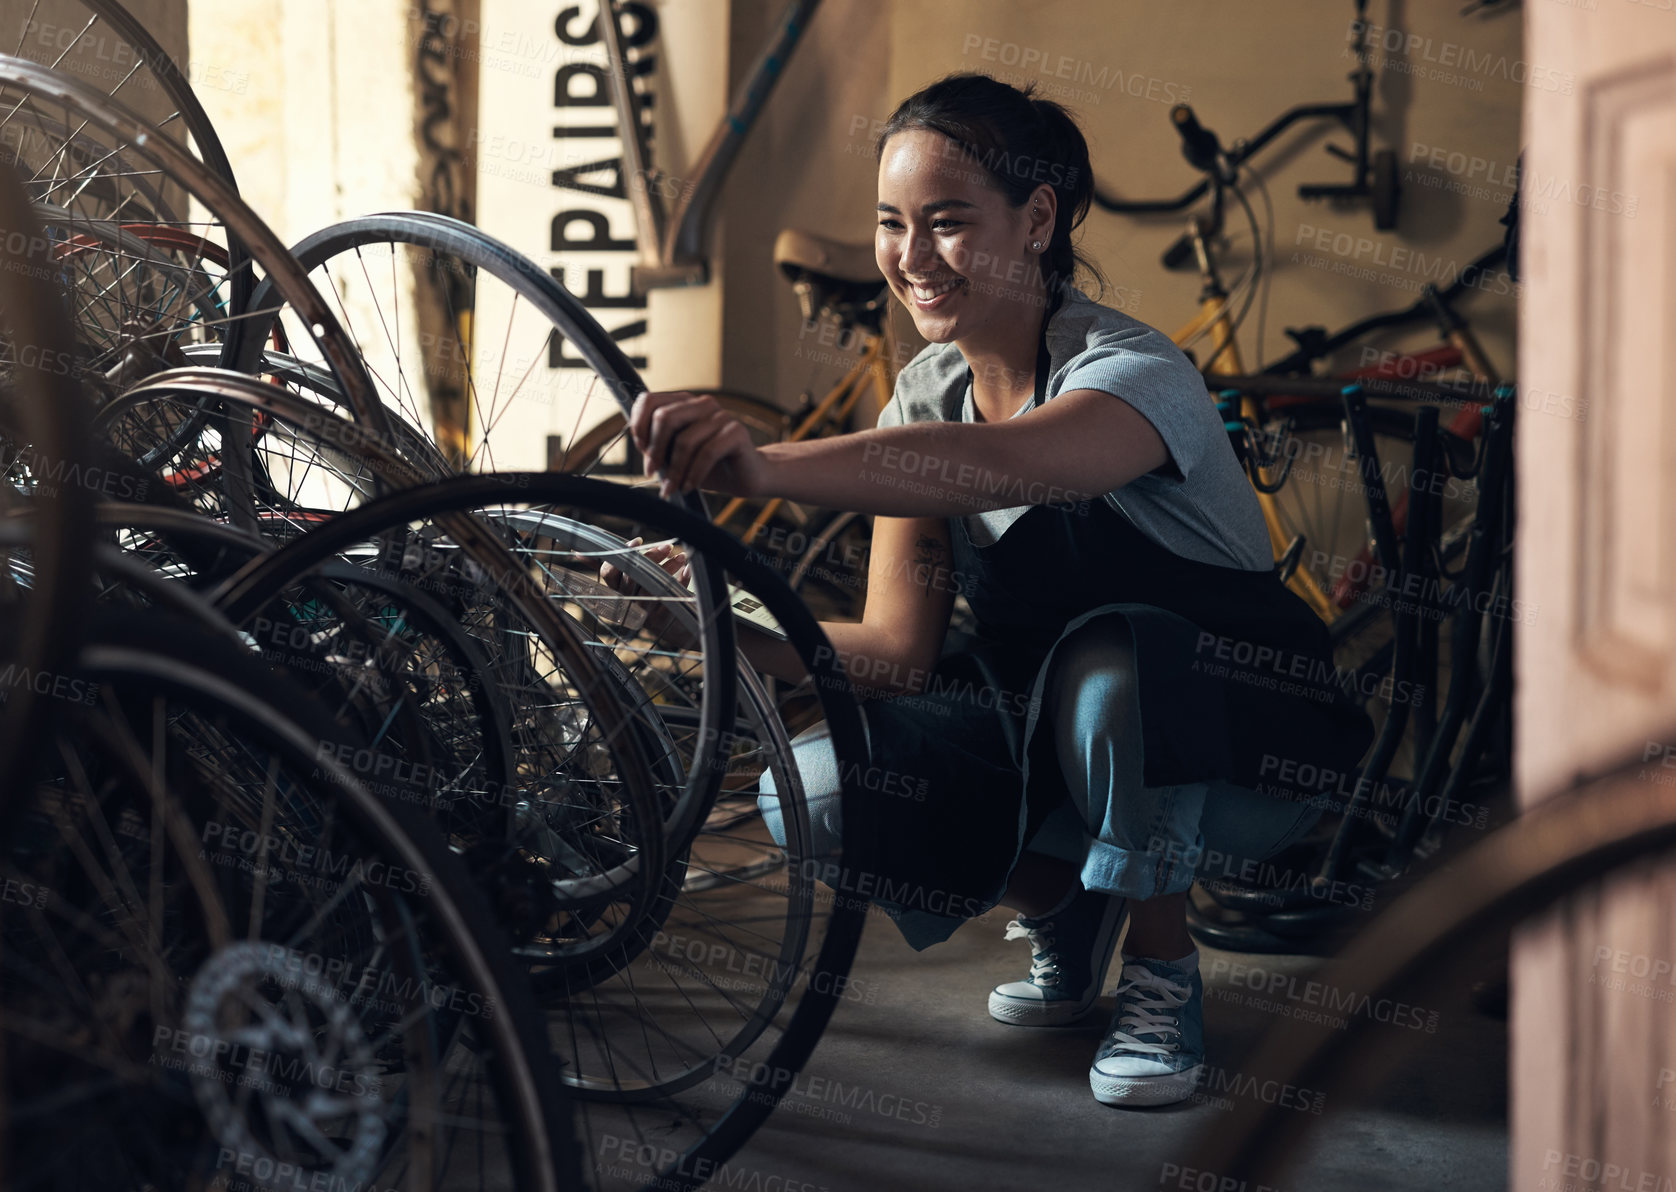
(1322, 499)
(100, 164)
(256, 455)
(385, 656)
(450, 321)
(139, 292)
(112, 50)
(686, 1038)
(382, 657)
(572, 839)
(43, 433)
(233, 967)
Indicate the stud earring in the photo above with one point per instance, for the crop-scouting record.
(1036, 245)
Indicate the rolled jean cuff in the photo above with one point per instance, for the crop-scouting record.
(1227, 823)
(1108, 869)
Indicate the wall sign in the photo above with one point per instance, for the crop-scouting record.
(552, 184)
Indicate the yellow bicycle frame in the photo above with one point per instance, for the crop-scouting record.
(1225, 358)
(875, 368)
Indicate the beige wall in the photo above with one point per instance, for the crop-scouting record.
(517, 156)
(1237, 65)
(319, 127)
(309, 132)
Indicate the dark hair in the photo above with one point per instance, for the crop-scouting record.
(1020, 142)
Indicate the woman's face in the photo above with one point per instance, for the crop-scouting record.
(955, 253)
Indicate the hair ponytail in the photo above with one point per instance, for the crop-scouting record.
(1063, 141)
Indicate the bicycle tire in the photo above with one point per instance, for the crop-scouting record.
(23, 82)
(45, 411)
(150, 659)
(441, 234)
(614, 724)
(770, 1080)
(451, 720)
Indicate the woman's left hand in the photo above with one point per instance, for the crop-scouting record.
(694, 443)
(658, 620)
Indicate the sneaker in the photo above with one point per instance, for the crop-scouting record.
(1070, 953)
(1154, 1051)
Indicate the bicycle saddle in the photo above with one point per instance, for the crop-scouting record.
(828, 274)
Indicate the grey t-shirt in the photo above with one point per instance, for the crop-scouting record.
(1205, 510)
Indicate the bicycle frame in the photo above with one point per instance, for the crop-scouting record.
(1225, 358)
(1224, 364)
(673, 244)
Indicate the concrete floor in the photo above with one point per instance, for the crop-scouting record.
(950, 1099)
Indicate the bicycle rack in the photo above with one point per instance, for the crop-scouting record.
(1374, 174)
(1451, 747)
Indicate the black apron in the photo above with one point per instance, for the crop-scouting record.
(1235, 676)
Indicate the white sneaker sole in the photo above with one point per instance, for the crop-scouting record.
(1144, 1090)
(1015, 1012)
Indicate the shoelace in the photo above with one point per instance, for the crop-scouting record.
(1150, 1002)
(1044, 963)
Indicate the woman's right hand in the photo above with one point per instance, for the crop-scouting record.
(694, 443)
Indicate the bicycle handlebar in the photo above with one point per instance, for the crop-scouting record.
(1198, 144)
(1342, 112)
(1204, 152)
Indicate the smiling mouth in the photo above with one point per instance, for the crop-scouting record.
(926, 292)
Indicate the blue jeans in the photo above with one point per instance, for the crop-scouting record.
(1126, 838)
